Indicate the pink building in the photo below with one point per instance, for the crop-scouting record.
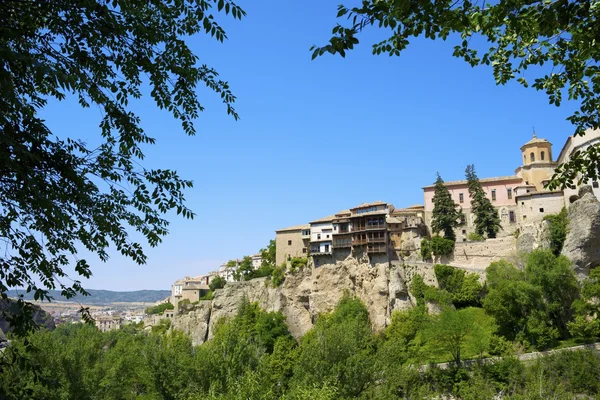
(500, 190)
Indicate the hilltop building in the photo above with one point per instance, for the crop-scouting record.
(108, 323)
(189, 288)
(379, 230)
(292, 242)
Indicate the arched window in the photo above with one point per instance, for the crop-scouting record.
(532, 157)
(542, 156)
(524, 158)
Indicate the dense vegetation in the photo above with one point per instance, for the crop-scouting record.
(160, 308)
(253, 356)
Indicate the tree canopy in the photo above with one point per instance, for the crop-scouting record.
(59, 195)
(487, 221)
(445, 215)
(553, 41)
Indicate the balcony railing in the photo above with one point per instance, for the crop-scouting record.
(340, 244)
(342, 232)
(377, 249)
(368, 227)
(369, 240)
(320, 253)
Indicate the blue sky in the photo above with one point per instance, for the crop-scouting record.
(315, 137)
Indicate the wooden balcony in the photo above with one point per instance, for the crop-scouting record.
(362, 228)
(342, 244)
(343, 232)
(320, 253)
(378, 248)
(369, 240)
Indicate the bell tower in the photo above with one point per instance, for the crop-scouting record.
(538, 165)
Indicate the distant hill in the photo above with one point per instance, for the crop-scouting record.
(105, 296)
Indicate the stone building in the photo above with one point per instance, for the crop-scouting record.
(321, 240)
(189, 289)
(291, 242)
(573, 144)
(500, 191)
(108, 322)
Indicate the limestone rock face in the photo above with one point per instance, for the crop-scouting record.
(582, 245)
(533, 236)
(307, 293)
(193, 321)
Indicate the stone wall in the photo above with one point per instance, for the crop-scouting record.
(479, 255)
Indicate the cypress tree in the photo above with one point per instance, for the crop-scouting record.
(445, 213)
(487, 220)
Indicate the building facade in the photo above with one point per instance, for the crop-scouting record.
(572, 145)
(292, 242)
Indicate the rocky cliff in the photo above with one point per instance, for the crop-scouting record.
(306, 294)
(582, 244)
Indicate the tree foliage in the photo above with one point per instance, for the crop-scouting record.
(445, 215)
(159, 309)
(218, 282)
(553, 41)
(558, 230)
(487, 220)
(253, 356)
(60, 195)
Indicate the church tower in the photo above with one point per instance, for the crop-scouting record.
(538, 165)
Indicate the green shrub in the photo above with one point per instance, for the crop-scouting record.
(440, 246)
(464, 288)
(475, 237)
(207, 296)
(278, 275)
(218, 282)
(183, 303)
(159, 309)
(558, 230)
(298, 263)
(425, 250)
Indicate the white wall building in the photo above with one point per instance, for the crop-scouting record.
(573, 144)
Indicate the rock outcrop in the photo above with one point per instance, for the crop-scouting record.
(582, 245)
(40, 317)
(193, 321)
(307, 293)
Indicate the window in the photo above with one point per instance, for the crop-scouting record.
(464, 231)
(326, 248)
(511, 216)
(524, 217)
(524, 158)
(304, 249)
(461, 197)
(432, 199)
(595, 185)
(532, 157)
(289, 242)
(327, 236)
(541, 210)
(493, 194)
(542, 154)
(509, 193)
(318, 236)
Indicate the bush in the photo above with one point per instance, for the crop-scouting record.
(207, 296)
(218, 282)
(425, 250)
(298, 263)
(278, 275)
(475, 237)
(440, 246)
(159, 309)
(558, 230)
(464, 288)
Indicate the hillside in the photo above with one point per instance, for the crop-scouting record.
(105, 296)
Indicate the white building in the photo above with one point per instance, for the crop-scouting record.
(573, 144)
(256, 261)
(321, 238)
